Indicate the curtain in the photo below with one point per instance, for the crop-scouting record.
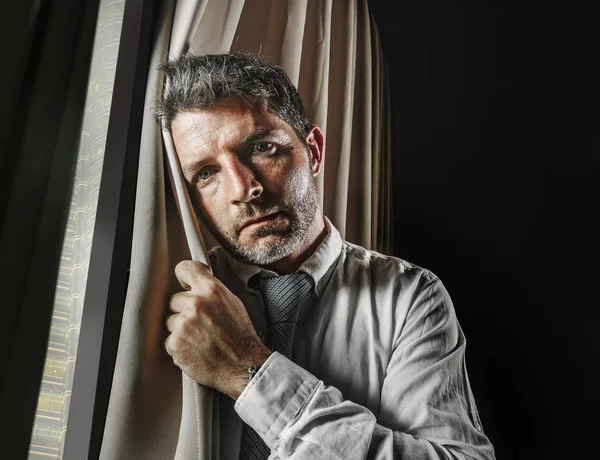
(154, 412)
(338, 68)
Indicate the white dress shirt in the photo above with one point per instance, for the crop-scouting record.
(378, 369)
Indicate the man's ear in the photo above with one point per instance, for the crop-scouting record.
(316, 145)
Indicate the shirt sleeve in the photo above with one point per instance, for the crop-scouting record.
(427, 409)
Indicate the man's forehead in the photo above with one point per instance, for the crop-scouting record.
(224, 122)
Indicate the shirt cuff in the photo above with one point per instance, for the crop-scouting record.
(275, 396)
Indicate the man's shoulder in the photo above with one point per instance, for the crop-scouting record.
(384, 271)
(371, 259)
(397, 288)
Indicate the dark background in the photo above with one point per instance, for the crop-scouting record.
(497, 171)
(496, 115)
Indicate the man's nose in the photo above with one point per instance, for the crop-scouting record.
(243, 184)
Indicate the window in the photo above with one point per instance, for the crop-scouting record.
(48, 434)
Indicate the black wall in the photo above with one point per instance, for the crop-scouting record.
(497, 173)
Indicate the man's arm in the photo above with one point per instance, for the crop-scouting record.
(427, 409)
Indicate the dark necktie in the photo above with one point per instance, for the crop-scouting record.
(283, 297)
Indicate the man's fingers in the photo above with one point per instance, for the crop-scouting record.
(172, 321)
(196, 278)
(166, 345)
(181, 301)
(191, 274)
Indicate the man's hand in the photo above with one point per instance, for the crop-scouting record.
(212, 338)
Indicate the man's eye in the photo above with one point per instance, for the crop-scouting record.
(205, 174)
(261, 147)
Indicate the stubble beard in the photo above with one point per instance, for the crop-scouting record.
(300, 211)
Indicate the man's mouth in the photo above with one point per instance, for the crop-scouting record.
(255, 223)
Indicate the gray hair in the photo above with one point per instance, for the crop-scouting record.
(198, 82)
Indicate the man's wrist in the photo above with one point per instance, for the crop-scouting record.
(244, 376)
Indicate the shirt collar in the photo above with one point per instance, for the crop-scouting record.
(317, 265)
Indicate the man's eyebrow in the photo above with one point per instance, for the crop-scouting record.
(258, 134)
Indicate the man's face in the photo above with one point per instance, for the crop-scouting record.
(251, 178)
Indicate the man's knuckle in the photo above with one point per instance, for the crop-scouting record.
(186, 329)
(196, 305)
(213, 288)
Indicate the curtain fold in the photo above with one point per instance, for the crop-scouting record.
(154, 412)
(337, 67)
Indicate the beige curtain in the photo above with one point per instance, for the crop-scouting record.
(153, 412)
(331, 51)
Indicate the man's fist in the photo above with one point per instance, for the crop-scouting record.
(212, 338)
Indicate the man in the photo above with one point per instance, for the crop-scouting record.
(369, 363)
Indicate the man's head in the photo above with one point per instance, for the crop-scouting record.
(247, 151)
(201, 82)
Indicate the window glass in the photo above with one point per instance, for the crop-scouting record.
(48, 435)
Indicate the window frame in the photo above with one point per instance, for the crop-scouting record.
(111, 246)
